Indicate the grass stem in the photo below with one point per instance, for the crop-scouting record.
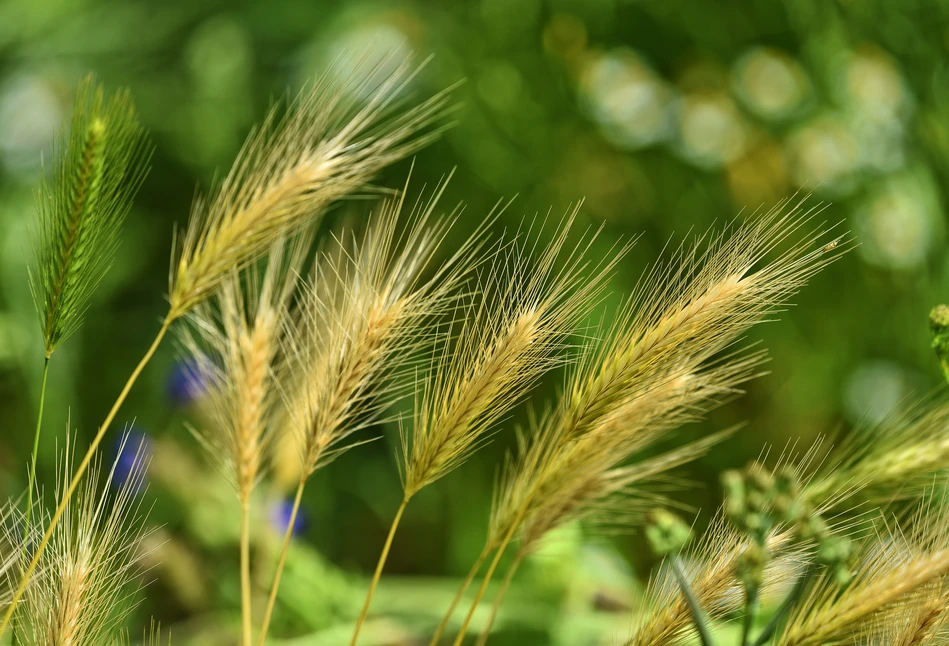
(80, 471)
(698, 618)
(281, 561)
(491, 568)
(458, 595)
(36, 447)
(378, 574)
(499, 599)
(246, 617)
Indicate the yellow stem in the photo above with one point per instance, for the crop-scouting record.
(275, 586)
(80, 471)
(491, 568)
(378, 574)
(499, 599)
(458, 595)
(245, 575)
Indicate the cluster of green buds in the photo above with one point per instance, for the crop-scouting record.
(666, 532)
(939, 325)
(758, 501)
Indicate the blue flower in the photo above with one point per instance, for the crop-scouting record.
(187, 382)
(280, 513)
(131, 451)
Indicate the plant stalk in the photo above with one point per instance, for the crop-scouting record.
(80, 471)
(491, 568)
(36, 448)
(458, 595)
(499, 599)
(275, 586)
(752, 605)
(378, 574)
(705, 636)
(246, 617)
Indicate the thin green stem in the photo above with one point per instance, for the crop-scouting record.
(80, 471)
(378, 574)
(705, 636)
(752, 605)
(36, 449)
(458, 595)
(785, 607)
(246, 617)
(499, 599)
(275, 586)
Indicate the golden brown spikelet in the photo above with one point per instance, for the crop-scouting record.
(923, 620)
(363, 322)
(695, 305)
(710, 570)
(325, 147)
(895, 566)
(508, 339)
(656, 372)
(895, 459)
(235, 345)
(85, 585)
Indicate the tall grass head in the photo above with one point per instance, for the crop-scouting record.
(89, 577)
(328, 144)
(527, 305)
(99, 165)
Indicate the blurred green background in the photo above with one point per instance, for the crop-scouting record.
(665, 117)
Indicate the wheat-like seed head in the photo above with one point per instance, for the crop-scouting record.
(85, 584)
(557, 482)
(923, 620)
(363, 322)
(897, 563)
(507, 340)
(99, 165)
(325, 147)
(654, 373)
(897, 458)
(710, 571)
(235, 344)
(698, 303)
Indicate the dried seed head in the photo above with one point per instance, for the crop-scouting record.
(507, 340)
(84, 586)
(291, 168)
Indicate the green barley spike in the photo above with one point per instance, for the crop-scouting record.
(99, 165)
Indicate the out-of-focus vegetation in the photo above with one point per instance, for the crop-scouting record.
(665, 117)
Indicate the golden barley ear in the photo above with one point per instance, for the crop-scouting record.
(897, 562)
(663, 362)
(88, 578)
(364, 318)
(99, 165)
(327, 145)
(896, 458)
(530, 302)
(235, 343)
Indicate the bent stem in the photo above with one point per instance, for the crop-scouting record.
(275, 586)
(491, 568)
(378, 574)
(36, 447)
(458, 595)
(499, 599)
(80, 471)
(698, 618)
(245, 574)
